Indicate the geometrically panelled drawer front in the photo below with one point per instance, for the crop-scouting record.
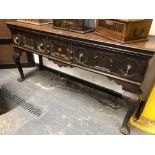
(82, 55)
(60, 49)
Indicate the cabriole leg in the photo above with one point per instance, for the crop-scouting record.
(133, 103)
(16, 58)
(40, 62)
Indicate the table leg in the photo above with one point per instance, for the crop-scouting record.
(133, 103)
(16, 58)
(40, 62)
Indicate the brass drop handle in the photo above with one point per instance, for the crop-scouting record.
(80, 57)
(95, 57)
(129, 67)
(110, 62)
(16, 40)
(41, 47)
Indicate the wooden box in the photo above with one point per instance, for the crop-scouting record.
(124, 31)
(36, 21)
(77, 25)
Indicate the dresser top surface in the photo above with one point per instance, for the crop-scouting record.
(145, 45)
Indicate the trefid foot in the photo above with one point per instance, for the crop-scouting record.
(21, 79)
(125, 130)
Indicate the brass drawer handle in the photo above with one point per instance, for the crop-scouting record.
(40, 47)
(16, 40)
(95, 57)
(80, 57)
(129, 67)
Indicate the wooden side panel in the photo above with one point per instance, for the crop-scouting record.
(6, 49)
(6, 54)
(4, 31)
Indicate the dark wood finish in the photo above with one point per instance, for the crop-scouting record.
(125, 64)
(7, 51)
(124, 31)
(40, 62)
(77, 25)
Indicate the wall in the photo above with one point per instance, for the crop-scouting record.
(93, 77)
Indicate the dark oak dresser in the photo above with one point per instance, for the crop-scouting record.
(126, 64)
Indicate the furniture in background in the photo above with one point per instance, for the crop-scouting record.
(124, 30)
(76, 25)
(37, 21)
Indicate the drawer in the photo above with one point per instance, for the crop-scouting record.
(60, 49)
(45, 45)
(132, 68)
(122, 65)
(29, 41)
(104, 61)
(82, 55)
